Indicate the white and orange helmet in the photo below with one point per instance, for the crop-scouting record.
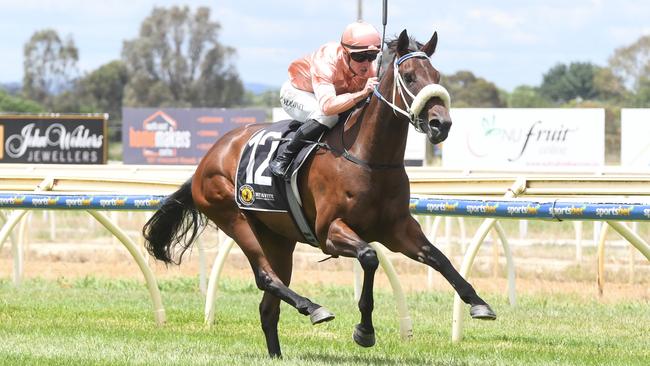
(361, 36)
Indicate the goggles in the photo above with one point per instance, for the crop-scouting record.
(363, 56)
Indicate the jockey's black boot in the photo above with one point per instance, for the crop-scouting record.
(310, 130)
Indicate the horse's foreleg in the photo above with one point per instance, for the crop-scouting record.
(269, 317)
(341, 240)
(409, 239)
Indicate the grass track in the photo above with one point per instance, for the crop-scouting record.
(93, 321)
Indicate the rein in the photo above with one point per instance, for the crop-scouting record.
(349, 157)
(366, 164)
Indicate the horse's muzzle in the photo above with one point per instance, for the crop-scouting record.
(438, 130)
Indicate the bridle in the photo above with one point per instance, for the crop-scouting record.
(412, 111)
(418, 101)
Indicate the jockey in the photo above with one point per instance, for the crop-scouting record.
(328, 82)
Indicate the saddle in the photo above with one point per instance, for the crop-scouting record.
(259, 190)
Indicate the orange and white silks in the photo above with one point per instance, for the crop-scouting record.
(327, 74)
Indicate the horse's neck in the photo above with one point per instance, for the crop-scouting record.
(381, 135)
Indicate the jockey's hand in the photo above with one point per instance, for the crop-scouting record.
(370, 85)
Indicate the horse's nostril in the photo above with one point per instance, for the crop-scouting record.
(442, 125)
(438, 129)
(435, 123)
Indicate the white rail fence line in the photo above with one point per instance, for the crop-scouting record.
(138, 179)
(22, 203)
(612, 211)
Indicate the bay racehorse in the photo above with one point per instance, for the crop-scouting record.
(354, 191)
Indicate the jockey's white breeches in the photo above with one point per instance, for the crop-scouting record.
(302, 106)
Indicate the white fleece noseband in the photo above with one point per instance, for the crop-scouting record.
(419, 100)
(428, 92)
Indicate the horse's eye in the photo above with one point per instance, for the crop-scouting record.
(409, 77)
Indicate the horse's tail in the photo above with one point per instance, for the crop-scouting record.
(169, 226)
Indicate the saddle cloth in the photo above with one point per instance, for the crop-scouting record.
(257, 188)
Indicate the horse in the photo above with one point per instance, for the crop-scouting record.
(354, 189)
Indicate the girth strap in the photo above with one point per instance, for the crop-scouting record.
(366, 164)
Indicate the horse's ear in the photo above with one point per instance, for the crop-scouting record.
(430, 47)
(403, 44)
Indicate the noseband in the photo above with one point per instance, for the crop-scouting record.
(412, 111)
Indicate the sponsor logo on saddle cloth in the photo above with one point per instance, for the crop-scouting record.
(257, 188)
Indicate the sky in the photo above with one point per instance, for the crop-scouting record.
(508, 42)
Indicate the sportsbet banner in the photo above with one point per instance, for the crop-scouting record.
(525, 137)
(178, 135)
(53, 139)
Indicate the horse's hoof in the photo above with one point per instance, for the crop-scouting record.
(483, 312)
(320, 315)
(363, 338)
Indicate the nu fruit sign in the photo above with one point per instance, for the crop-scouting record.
(519, 138)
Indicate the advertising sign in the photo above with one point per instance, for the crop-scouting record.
(500, 138)
(178, 135)
(53, 139)
(635, 141)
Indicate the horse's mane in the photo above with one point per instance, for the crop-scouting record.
(414, 45)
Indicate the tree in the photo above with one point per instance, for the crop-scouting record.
(525, 96)
(178, 61)
(608, 86)
(563, 83)
(49, 66)
(641, 98)
(632, 63)
(103, 89)
(554, 86)
(15, 104)
(467, 90)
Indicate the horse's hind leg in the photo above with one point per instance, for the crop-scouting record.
(341, 240)
(409, 239)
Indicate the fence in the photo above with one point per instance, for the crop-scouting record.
(609, 196)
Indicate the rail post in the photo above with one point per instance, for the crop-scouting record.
(152, 284)
(457, 316)
(224, 249)
(16, 245)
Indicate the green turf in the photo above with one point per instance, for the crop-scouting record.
(94, 321)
